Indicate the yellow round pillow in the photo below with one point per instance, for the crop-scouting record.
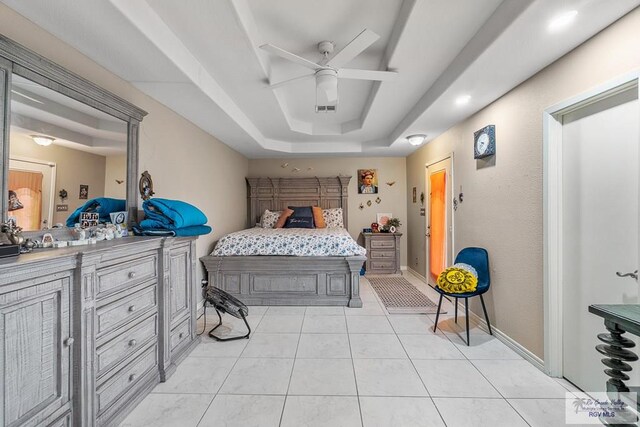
(458, 279)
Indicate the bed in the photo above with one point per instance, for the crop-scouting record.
(259, 267)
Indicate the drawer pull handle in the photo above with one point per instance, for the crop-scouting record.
(181, 335)
(132, 274)
(132, 377)
(69, 342)
(133, 343)
(132, 308)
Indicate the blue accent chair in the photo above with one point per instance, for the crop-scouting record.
(478, 258)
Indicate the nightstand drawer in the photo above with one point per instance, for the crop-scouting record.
(382, 265)
(382, 254)
(383, 243)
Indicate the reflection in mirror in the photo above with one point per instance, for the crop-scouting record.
(57, 143)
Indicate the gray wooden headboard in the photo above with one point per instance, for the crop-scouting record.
(276, 194)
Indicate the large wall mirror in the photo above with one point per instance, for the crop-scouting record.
(63, 141)
(58, 145)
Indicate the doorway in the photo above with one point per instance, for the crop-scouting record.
(592, 229)
(439, 218)
(33, 181)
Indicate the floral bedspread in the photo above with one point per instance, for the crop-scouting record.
(289, 241)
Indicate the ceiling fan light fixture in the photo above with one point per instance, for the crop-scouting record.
(43, 140)
(416, 139)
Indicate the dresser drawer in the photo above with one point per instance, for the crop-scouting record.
(180, 335)
(127, 378)
(382, 265)
(126, 343)
(383, 243)
(126, 309)
(378, 254)
(121, 276)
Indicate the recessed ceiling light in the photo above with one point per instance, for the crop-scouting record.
(463, 100)
(416, 139)
(561, 20)
(43, 140)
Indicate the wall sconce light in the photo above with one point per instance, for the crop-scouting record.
(416, 139)
(43, 140)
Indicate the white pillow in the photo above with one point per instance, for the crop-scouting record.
(269, 218)
(333, 217)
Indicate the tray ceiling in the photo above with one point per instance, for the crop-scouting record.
(202, 59)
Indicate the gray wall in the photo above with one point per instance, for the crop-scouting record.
(502, 209)
(393, 198)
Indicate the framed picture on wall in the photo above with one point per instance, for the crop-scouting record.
(367, 181)
(84, 191)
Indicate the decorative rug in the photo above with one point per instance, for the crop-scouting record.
(399, 296)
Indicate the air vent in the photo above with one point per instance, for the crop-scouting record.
(326, 108)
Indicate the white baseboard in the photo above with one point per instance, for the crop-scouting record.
(500, 336)
(418, 275)
(403, 268)
(505, 339)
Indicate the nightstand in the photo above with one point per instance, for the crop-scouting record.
(383, 253)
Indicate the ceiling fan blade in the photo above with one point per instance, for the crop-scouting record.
(349, 73)
(362, 41)
(290, 56)
(295, 79)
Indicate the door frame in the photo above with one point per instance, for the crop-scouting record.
(52, 190)
(553, 213)
(449, 208)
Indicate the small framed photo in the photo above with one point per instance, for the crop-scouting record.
(84, 191)
(89, 219)
(383, 218)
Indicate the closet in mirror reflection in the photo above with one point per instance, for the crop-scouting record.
(57, 143)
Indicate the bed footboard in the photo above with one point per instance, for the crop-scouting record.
(288, 280)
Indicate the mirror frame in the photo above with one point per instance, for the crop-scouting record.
(17, 59)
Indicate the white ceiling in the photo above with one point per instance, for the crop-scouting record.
(201, 58)
(38, 110)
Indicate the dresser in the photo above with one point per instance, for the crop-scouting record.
(383, 253)
(87, 332)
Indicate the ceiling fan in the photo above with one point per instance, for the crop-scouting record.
(329, 70)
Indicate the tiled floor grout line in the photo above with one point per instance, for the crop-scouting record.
(293, 367)
(465, 358)
(226, 377)
(487, 379)
(355, 379)
(451, 334)
(418, 374)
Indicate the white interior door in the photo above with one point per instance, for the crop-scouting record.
(439, 218)
(48, 170)
(599, 226)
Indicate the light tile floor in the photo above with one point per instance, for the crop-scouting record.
(334, 366)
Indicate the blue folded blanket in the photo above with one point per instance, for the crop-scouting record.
(194, 230)
(170, 215)
(102, 205)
